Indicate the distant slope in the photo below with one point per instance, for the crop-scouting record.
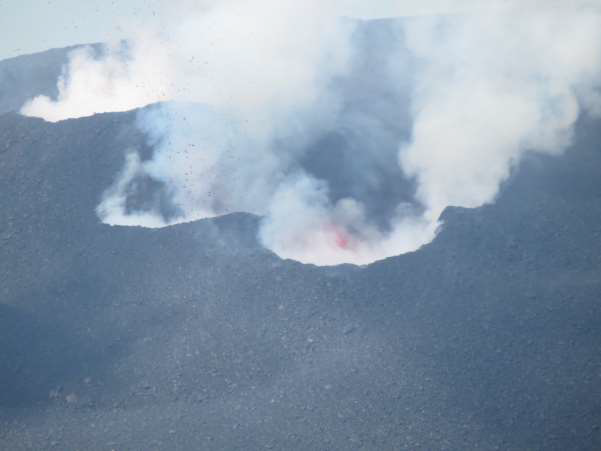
(27, 76)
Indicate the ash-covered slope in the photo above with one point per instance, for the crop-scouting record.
(195, 337)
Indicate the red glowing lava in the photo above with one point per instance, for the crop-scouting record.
(341, 237)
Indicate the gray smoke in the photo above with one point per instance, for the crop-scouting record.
(349, 139)
(492, 86)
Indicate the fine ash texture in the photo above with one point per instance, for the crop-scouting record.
(195, 336)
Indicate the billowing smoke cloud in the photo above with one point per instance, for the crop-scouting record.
(491, 87)
(123, 78)
(255, 85)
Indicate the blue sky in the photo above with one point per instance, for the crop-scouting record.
(28, 26)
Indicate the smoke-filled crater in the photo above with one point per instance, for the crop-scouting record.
(348, 138)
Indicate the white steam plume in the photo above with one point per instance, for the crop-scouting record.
(120, 80)
(255, 72)
(490, 86)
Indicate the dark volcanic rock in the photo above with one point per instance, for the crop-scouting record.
(195, 337)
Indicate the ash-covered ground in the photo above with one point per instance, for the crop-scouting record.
(196, 337)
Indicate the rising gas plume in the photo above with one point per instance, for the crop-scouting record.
(255, 95)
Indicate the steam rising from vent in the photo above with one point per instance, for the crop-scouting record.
(123, 78)
(491, 87)
(251, 91)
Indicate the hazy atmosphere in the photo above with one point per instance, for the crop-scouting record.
(34, 25)
(237, 66)
(276, 224)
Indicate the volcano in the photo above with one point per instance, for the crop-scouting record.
(195, 336)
